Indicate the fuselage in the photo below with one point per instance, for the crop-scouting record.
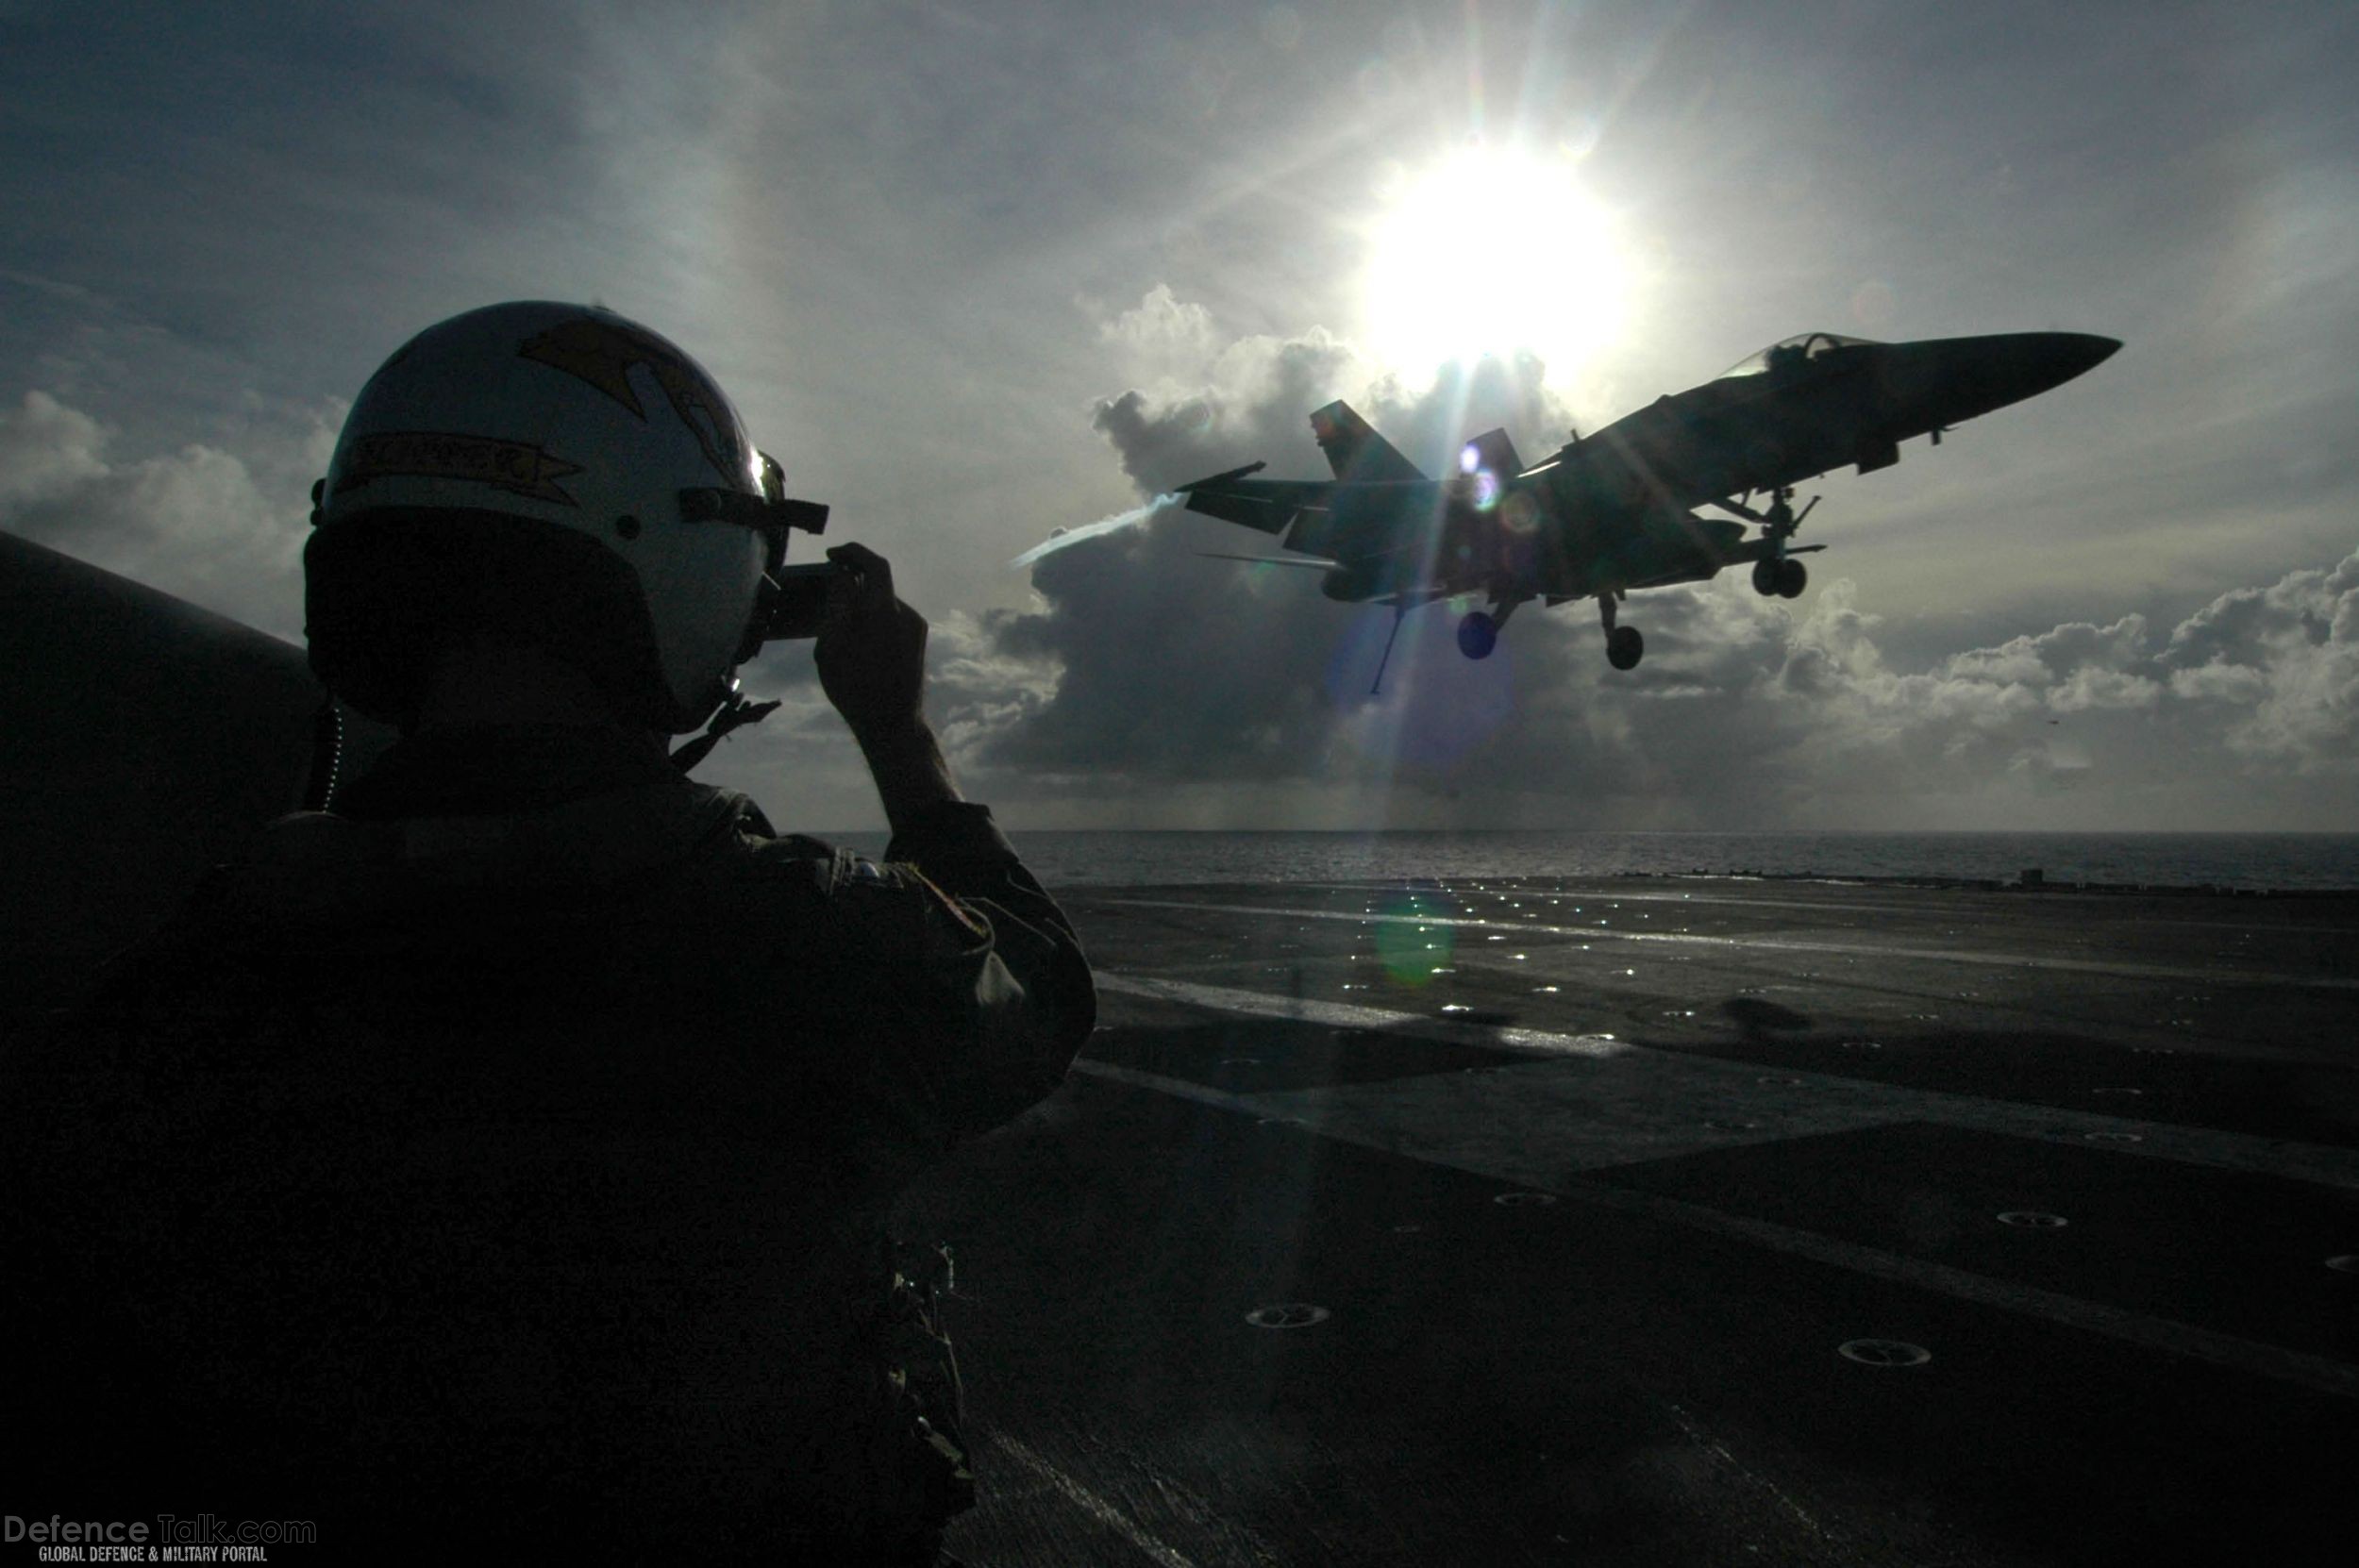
(1803, 407)
(1615, 511)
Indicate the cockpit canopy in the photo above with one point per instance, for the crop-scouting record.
(1798, 349)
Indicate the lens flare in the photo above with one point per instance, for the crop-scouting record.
(1414, 940)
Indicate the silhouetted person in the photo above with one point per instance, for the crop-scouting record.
(504, 1156)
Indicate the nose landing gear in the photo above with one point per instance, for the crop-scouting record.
(1780, 575)
(1778, 572)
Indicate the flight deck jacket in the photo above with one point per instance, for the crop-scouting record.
(511, 1154)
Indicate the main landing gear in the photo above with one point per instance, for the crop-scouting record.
(1478, 632)
(1624, 647)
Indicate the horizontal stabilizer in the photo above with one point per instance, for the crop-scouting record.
(1224, 478)
(1269, 504)
(1354, 450)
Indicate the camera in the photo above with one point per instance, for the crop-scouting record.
(800, 598)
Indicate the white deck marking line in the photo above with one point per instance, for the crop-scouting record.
(2317, 1372)
(1900, 894)
(1739, 1093)
(1344, 1015)
(1773, 945)
(1089, 1502)
(1618, 894)
(2193, 1045)
(1713, 1446)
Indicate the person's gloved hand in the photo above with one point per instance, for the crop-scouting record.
(871, 651)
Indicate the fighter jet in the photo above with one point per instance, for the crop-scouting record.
(1615, 511)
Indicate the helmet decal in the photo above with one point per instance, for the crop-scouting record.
(515, 466)
(601, 352)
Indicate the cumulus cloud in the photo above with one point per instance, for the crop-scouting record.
(1163, 326)
(1146, 684)
(1144, 675)
(222, 528)
(2284, 660)
(47, 450)
(1145, 661)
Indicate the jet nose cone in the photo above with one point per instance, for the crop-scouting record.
(1953, 379)
(2071, 352)
(2025, 363)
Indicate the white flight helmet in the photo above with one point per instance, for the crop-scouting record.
(555, 474)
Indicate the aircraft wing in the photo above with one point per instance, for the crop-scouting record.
(1269, 504)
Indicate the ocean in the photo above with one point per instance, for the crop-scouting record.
(2245, 860)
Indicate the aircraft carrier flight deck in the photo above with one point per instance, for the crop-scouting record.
(1645, 1221)
(1675, 1221)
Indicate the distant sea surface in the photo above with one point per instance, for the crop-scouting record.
(2276, 860)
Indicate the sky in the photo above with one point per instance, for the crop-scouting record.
(975, 273)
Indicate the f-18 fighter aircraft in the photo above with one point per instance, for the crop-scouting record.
(1615, 511)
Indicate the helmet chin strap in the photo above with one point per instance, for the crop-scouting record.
(736, 711)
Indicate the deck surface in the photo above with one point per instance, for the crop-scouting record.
(1675, 1221)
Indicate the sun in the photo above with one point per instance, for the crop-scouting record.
(1490, 251)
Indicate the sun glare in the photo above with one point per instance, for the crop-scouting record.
(1490, 251)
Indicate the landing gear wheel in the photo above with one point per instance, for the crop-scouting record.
(1623, 647)
(1478, 634)
(1793, 576)
(1765, 576)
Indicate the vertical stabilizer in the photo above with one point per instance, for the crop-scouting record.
(1354, 450)
(1494, 452)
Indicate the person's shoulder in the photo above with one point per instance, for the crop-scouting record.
(825, 872)
(305, 862)
(860, 909)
